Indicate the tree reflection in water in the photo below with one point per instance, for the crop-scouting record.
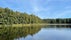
(9, 33)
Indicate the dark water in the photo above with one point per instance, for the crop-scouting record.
(51, 32)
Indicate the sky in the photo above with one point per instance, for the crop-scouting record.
(40, 8)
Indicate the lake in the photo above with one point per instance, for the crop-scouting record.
(50, 32)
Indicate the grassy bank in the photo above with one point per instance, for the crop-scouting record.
(22, 25)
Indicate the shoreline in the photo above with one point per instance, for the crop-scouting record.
(21, 25)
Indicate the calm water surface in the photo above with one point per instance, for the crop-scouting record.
(36, 33)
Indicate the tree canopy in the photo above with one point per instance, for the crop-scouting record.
(8, 16)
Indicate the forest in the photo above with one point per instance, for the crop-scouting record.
(8, 16)
(58, 21)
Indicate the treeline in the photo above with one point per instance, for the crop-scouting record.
(8, 16)
(57, 21)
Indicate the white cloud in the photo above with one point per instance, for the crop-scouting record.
(55, 14)
(63, 14)
(36, 7)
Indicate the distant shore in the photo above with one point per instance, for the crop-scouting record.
(21, 25)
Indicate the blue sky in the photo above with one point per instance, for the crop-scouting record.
(41, 8)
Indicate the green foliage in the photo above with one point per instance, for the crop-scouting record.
(58, 21)
(8, 16)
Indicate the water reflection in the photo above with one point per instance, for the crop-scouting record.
(58, 26)
(50, 32)
(9, 33)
